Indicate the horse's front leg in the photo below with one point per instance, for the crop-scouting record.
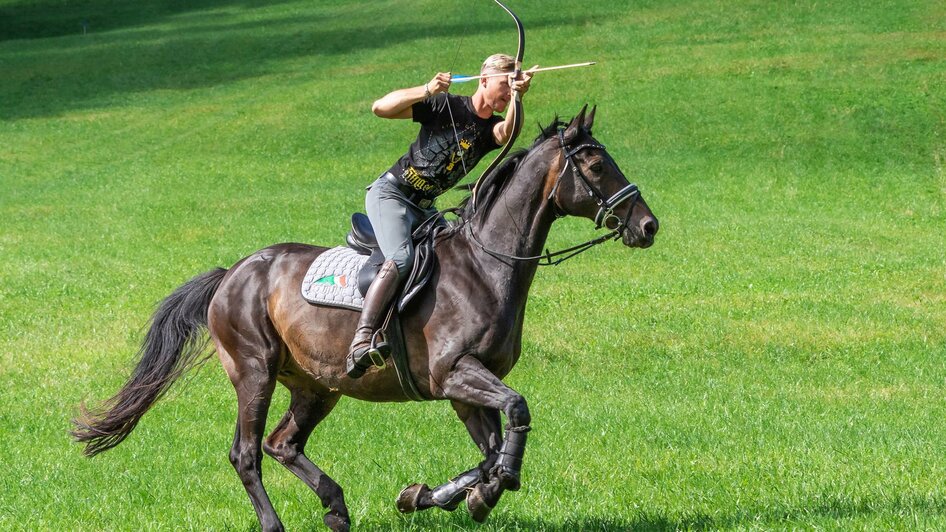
(470, 383)
(484, 427)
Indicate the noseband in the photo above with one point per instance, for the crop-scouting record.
(606, 206)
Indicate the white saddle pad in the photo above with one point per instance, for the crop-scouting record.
(332, 279)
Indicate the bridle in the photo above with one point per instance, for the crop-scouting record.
(605, 213)
(606, 206)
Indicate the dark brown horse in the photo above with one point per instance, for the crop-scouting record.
(463, 335)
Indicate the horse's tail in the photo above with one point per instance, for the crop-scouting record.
(173, 344)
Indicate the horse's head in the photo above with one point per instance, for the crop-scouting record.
(590, 184)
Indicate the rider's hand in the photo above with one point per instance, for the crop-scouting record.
(440, 83)
(521, 83)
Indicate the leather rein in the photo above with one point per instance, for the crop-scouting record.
(605, 213)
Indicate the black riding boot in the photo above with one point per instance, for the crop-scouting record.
(382, 290)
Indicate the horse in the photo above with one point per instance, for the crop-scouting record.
(463, 334)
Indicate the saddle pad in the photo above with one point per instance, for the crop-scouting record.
(332, 279)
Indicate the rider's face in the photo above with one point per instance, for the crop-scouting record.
(497, 93)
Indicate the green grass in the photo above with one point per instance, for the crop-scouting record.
(777, 360)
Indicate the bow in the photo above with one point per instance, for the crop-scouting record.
(517, 104)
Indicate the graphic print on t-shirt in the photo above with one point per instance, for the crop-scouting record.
(436, 160)
(441, 151)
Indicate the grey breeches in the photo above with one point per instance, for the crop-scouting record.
(394, 218)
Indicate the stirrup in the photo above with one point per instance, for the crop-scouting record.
(358, 362)
(378, 351)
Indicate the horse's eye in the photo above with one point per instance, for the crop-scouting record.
(596, 166)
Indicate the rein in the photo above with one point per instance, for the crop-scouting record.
(605, 213)
(548, 256)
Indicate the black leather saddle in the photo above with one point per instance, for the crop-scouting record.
(362, 239)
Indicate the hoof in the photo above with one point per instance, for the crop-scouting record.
(477, 505)
(408, 498)
(337, 523)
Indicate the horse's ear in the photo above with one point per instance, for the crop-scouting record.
(575, 124)
(590, 119)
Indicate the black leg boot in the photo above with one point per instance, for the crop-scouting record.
(382, 290)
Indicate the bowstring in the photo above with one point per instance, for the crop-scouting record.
(453, 124)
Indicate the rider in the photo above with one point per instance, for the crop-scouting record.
(455, 133)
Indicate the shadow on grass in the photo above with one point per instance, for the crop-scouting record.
(827, 507)
(158, 48)
(28, 19)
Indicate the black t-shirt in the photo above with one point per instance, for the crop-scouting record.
(432, 164)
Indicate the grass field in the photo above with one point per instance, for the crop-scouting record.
(776, 361)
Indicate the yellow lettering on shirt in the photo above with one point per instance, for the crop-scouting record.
(412, 176)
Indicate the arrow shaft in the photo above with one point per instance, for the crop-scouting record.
(463, 79)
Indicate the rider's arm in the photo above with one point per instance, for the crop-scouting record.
(503, 130)
(398, 104)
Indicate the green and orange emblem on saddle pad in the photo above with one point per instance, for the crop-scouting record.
(334, 280)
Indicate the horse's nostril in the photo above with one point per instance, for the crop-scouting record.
(649, 227)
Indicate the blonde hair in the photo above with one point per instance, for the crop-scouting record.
(498, 63)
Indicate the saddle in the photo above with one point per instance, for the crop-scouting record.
(362, 239)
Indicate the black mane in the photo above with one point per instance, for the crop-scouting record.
(490, 186)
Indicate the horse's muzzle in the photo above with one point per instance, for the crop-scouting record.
(641, 236)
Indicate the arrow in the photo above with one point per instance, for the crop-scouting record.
(463, 79)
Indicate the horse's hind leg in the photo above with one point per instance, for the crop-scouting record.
(287, 445)
(483, 424)
(254, 381)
